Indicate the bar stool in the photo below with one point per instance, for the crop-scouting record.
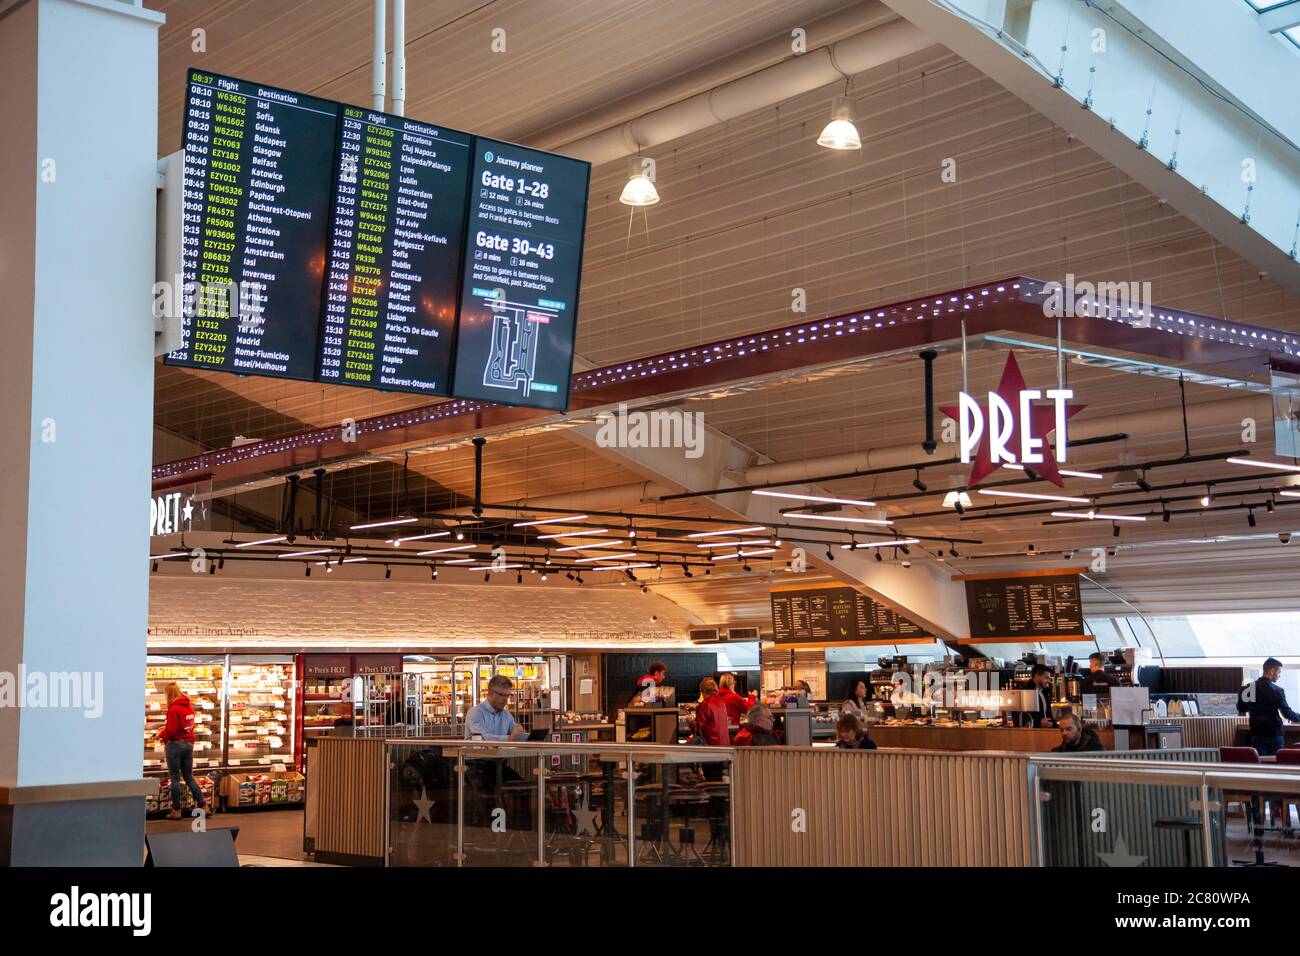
(1188, 826)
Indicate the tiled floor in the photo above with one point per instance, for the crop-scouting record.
(266, 837)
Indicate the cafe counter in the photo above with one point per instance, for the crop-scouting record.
(1007, 739)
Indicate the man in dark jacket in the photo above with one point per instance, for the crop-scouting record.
(1076, 738)
(1266, 704)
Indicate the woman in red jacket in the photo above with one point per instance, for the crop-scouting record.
(177, 736)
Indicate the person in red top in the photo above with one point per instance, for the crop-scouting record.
(736, 705)
(656, 676)
(710, 725)
(177, 735)
(758, 731)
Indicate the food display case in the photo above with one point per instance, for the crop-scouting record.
(326, 692)
(201, 680)
(259, 712)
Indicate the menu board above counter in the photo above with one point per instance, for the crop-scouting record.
(1032, 606)
(838, 614)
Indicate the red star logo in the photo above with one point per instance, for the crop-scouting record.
(1042, 423)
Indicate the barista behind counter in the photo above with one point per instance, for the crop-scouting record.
(1098, 680)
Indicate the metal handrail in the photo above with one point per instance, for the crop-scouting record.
(543, 746)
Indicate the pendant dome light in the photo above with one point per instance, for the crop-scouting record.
(640, 189)
(840, 133)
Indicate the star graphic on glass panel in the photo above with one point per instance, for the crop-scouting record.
(1120, 856)
(423, 806)
(585, 818)
(188, 510)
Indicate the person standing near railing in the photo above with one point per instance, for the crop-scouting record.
(1266, 704)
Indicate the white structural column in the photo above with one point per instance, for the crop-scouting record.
(78, 142)
(1193, 99)
(924, 593)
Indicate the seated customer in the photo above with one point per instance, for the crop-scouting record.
(852, 734)
(1076, 738)
(757, 731)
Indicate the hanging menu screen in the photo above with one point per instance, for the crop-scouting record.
(1025, 607)
(837, 615)
(395, 251)
(523, 259)
(256, 199)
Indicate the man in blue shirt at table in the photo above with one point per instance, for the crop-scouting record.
(490, 720)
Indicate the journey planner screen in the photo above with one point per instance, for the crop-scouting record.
(519, 296)
(256, 203)
(337, 244)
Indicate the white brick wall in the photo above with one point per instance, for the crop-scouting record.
(223, 610)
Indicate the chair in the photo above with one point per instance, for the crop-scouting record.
(1243, 799)
(1290, 755)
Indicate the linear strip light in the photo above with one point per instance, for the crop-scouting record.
(572, 534)
(460, 561)
(454, 547)
(731, 531)
(344, 561)
(1276, 466)
(606, 557)
(591, 547)
(384, 524)
(896, 543)
(492, 567)
(621, 567)
(808, 517)
(1290, 494)
(817, 498)
(1096, 516)
(732, 544)
(303, 554)
(1035, 497)
(1069, 473)
(397, 542)
(566, 519)
(252, 544)
(170, 554)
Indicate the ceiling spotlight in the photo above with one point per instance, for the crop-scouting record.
(1165, 514)
(1250, 518)
(1031, 551)
(1067, 555)
(840, 133)
(952, 549)
(460, 535)
(904, 548)
(212, 567)
(519, 577)
(957, 500)
(879, 555)
(221, 562)
(918, 484)
(487, 576)
(569, 575)
(1114, 551)
(1114, 529)
(1031, 474)
(154, 566)
(745, 566)
(433, 572)
(1143, 483)
(329, 568)
(1269, 506)
(630, 575)
(1284, 537)
(830, 555)
(640, 189)
(906, 563)
(686, 570)
(579, 579)
(543, 576)
(1207, 499)
(388, 572)
(307, 568)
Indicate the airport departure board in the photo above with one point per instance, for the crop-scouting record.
(523, 260)
(256, 202)
(396, 243)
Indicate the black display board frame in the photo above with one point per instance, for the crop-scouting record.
(983, 589)
(830, 592)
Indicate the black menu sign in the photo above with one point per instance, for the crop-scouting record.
(256, 199)
(1024, 607)
(837, 615)
(395, 252)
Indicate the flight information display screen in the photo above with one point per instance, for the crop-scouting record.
(523, 259)
(396, 243)
(256, 201)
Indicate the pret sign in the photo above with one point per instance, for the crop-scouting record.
(1013, 427)
(167, 513)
